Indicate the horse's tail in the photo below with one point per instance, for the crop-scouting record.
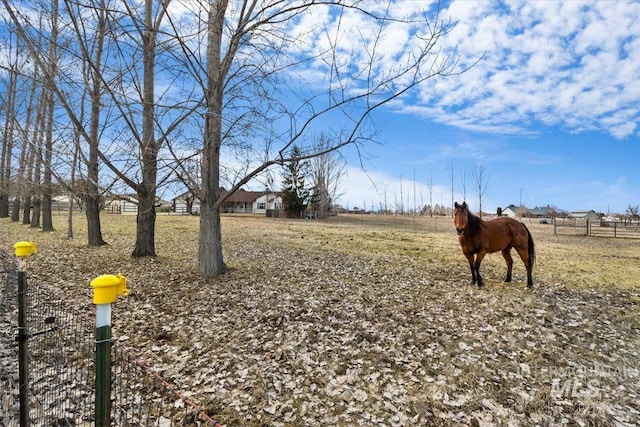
(531, 248)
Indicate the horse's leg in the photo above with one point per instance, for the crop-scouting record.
(524, 256)
(469, 256)
(479, 258)
(506, 253)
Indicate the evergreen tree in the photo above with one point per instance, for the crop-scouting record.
(296, 194)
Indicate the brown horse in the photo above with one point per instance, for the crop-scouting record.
(484, 237)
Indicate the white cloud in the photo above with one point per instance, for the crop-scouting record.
(572, 64)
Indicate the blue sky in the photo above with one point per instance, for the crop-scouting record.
(552, 113)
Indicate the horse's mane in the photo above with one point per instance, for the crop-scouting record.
(474, 222)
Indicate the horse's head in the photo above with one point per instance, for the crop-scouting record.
(461, 217)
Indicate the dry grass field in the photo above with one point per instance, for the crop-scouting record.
(368, 320)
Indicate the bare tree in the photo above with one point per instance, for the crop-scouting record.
(242, 33)
(47, 148)
(463, 184)
(481, 182)
(92, 50)
(415, 206)
(327, 172)
(452, 177)
(402, 205)
(32, 209)
(106, 38)
(91, 195)
(430, 184)
(148, 31)
(260, 86)
(9, 104)
(384, 205)
(27, 194)
(149, 119)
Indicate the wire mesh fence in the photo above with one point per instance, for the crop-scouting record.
(61, 381)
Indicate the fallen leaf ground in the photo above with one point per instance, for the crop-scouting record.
(368, 321)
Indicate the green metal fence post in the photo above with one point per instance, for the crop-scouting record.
(106, 289)
(23, 251)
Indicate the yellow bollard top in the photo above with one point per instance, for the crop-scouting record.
(25, 249)
(107, 287)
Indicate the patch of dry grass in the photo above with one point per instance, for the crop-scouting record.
(369, 321)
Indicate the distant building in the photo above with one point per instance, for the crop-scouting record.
(543, 212)
(514, 211)
(586, 214)
(128, 204)
(253, 202)
(239, 202)
(186, 203)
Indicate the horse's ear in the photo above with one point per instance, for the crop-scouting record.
(464, 205)
(456, 205)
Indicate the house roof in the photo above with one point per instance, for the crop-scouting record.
(240, 196)
(582, 214)
(543, 211)
(132, 198)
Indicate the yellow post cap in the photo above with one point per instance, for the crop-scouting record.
(24, 249)
(107, 287)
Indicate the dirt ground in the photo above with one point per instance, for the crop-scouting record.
(368, 320)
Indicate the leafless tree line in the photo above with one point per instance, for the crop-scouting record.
(117, 96)
(402, 204)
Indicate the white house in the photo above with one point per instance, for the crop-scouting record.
(267, 201)
(239, 202)
(128, 204)
(186, 203)
(125, 204)
(510, 211)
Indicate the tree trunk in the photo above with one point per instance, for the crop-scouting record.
(26, 211)
(94, 232)
(15, 213)
(47, 190)
(47, 215)
(25, 161)
(36, 213)
(146, 226)
(72, 185)
(70, 219)
(92, 197)
(36, 201)
(210, 259)
(146, 220)
(7, 144)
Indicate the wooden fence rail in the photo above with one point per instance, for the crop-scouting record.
(596, 228)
